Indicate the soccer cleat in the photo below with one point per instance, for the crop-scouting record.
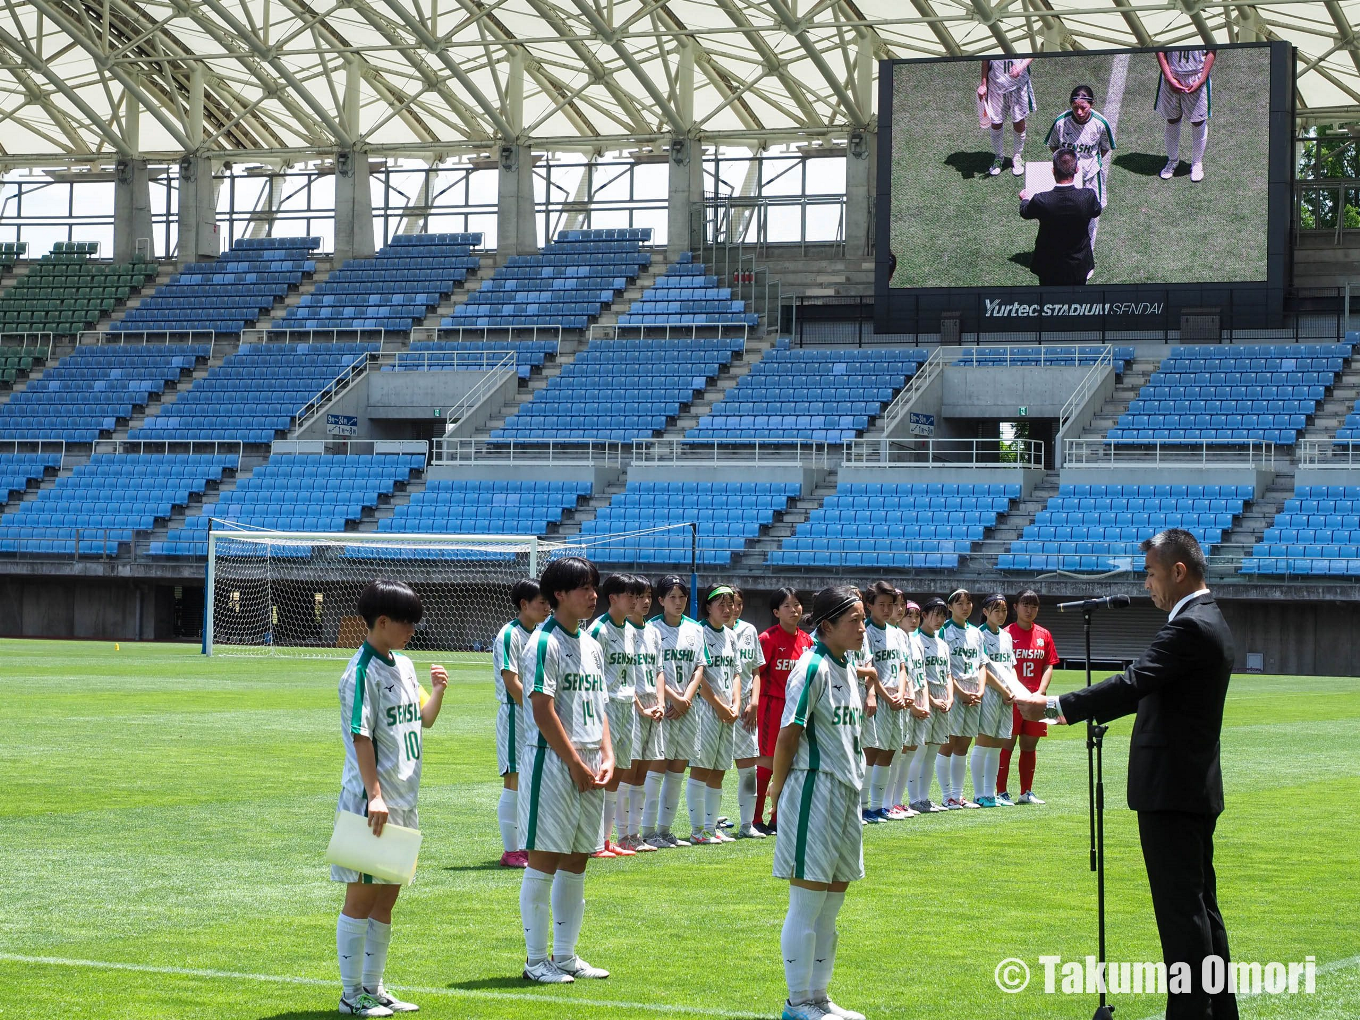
(896, 814)
(1028, 798)
(673, 840)
(1197, 172)
(391, 1001)
(1017, 168)
(725, 823)
(953, 804)
(657, 842)
(831, 1009)
(1003, 799)
(909, 812)
(986, 802)
(619, 851)
(762, 828)
(603, 855)
(965, 802)
(723, 837)
(771, 827)
(803, 1011)
(363, 1004)
(870, 817)
(704, 838)
(546, 973)
(749, 832)
(996, 166)
(575, 967)
(640, 845)
(1169, 171)
(514, 859)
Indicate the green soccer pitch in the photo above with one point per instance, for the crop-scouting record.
(954, 226)
(165, 818)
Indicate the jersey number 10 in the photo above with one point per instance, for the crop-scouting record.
(412, 741)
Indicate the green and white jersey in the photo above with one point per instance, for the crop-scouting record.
(647, 652)
(999, 647)
(568, 666)
(505, 654)
(886, 650)
(380, 700)
(913, 668)
(1186, 65)
(750, 655)
(682, 648)
(966, 656)
(1091, 140)
(721, 668)
(619, 656)
(934, 663)
(823, 698)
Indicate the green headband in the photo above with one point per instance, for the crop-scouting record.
(719, 592)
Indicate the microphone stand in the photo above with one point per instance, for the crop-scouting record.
(1095, 789)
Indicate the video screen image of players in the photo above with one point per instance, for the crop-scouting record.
(1174, 144)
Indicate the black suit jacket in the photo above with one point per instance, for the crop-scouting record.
(1062, 251)
(1177, 688)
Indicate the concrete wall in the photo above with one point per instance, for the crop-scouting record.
(1027, 477)
(1168, 474)
(929, 401)
(807, 477)
(985, 392)
(1327, 476)
(385, 401)
(597, 476)
(108, 609)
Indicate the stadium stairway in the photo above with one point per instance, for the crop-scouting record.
(324, 267)
(810, 274)
(1225, 559)
(164, 271)
(387, 505)
(1126, 390)
(157, 402)
(785, 523)
(572, 519)
(1011, 524)
(758, 344)
(1339, 402)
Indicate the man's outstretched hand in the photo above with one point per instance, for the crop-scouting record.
(1032, 706)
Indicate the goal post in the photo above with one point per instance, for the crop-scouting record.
(284, 593)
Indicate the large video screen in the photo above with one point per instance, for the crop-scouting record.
(1174, 146)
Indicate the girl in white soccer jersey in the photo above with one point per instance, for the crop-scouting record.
(994, 726)
(532, 608)
(1006, 94)
(883, 733)
(1184, 89)
(817, 775)
(682, 662)
(746, 736)
(615, 636)
(940, 697)
(568, 759)
(967, 664)
(649, 704)
(717, 711)
(916, 717)
(1083, 129)
(382, 713)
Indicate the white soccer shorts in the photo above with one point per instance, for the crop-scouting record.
(554, 816)
(745, 743)
(916, 731)
(509, 737)
(649, 739)
(1013, 104)
(681, 734)
(357, 803)
(621, 720)
(884, 730)
(938, 731)
(964, 719)
(819, 838)
(714, 744)
(996, 718)
(1193, 106)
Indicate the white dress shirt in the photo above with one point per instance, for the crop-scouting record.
(1175, 610)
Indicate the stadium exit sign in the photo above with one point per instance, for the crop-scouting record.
(1024, 412)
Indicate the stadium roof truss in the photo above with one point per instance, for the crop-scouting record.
(283, 81)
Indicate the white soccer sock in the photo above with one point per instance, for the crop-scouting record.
(695, 802)
(568, 907)
(997, 139)
(607, 822)
(864, 792)
(1019, 142)
(507, 817)
(1173, 142)
(535, 895)
(635, 801)
(991, 764)
(651, 802)
(958, 768)
(746, 795)
(350, 935)
(897, 779)
(824, 958)
(1199, 137)
(375, 954)
(942, 774)
(798, 940)
(878, 781)
(977, 766)
(918, 780)
(712, 807)
(670, 799)
(623, 802)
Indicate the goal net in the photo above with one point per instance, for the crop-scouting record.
(295, 593)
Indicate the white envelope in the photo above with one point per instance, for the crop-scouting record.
(391, 856)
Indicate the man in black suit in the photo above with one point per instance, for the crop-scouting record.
(1062, 251)
(1175, 782)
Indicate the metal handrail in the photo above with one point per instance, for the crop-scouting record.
(38, 345)
(347, 379)
(1088, 385)
(131, 337)
(428, 333)
(494, 377)
(450, 450)
(1329, 453)
(18, 446)
(944, 453)
(350, 447)
(613, 331)
(289, 335)
(805, 453)
(929, 371)
(1155, 452)
(151, 447)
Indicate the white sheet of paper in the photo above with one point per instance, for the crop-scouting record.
(1039, 176)
(391, 856)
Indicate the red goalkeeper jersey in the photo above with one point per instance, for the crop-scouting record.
(781, 650)
(1034, 652)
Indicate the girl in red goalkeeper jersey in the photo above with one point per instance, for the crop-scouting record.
(781, 646)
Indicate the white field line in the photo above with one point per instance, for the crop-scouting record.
(457, 993)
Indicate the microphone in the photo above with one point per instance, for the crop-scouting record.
(1109, 602)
